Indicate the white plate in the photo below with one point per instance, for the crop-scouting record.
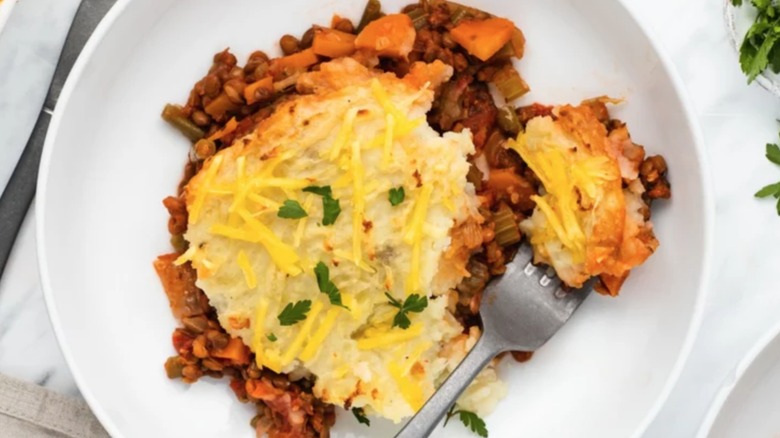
(747, 403)
(109, 160)
(5, 11)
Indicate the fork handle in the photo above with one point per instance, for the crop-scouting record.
(427, 418)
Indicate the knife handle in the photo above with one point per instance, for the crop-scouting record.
(20, 190)
(18, 194)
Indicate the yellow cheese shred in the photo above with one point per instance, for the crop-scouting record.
(246, 267)
(413, 280)
(343, 134)
(392, 337)
(313, 346)
(358, 203)
(410, 390)
(200, 196)
(362, 264)
(259, 329)
(302, 223)
(351, 304)
(233, 233)
(303, 333)
(282, 254)
(414, 237)
(414, 232)
(186, 256)
(263, 201)
(387, 151)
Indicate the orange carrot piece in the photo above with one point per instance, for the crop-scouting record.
(483, 38)
(249, 91)
(302, 59)
(333, 43)
(235, 351)
(518, 43)
(230, 126)
(392, 35)
(502, 179)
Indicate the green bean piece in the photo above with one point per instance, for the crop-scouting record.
(419, 18)
(372, 11)
(509, 83)
(474, 176)
(507, 120)
(507, 231)
(174, 115)
(458, 12)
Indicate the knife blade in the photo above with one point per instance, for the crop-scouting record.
(20, 190)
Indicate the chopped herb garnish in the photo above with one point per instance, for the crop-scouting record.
(330, 210)
(271, 337)
(761, 47)
(291, 210)
(294, 313)
(773, 155)
(396, 196)
(330, 206)
(360, 414)
(413, 303)
(326, 286)
(319, 190)
(470, 420)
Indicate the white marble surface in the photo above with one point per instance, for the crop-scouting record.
(736, 119)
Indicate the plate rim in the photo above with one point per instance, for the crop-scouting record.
(744, 366)
(653, 40)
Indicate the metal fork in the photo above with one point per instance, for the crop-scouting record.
(520, 311)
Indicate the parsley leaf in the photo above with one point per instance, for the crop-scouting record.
(271, 337)
(773, 153)
(331, 208)
(413, 303)
(360, 414)
(319, 190)
(767, 191)
(396, 196)
(326, 286)
(470, 420)
(294, 313)
(291, 210)
(760, 49)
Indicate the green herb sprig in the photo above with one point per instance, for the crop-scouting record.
(327, 286)
(760, 49)
(773, 155)
(291, 210)
(414, 303)
(396, 196)
(470, 420)
(360, 414)
(331, 208)
(294, 313)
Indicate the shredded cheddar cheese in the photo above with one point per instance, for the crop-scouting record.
(246, 267)
(303, 333)
(393, 336)
(322, 331)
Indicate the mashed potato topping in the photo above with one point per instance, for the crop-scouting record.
(359, 133)
(589, 221)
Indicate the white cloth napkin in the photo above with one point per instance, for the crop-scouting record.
(30, 411)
